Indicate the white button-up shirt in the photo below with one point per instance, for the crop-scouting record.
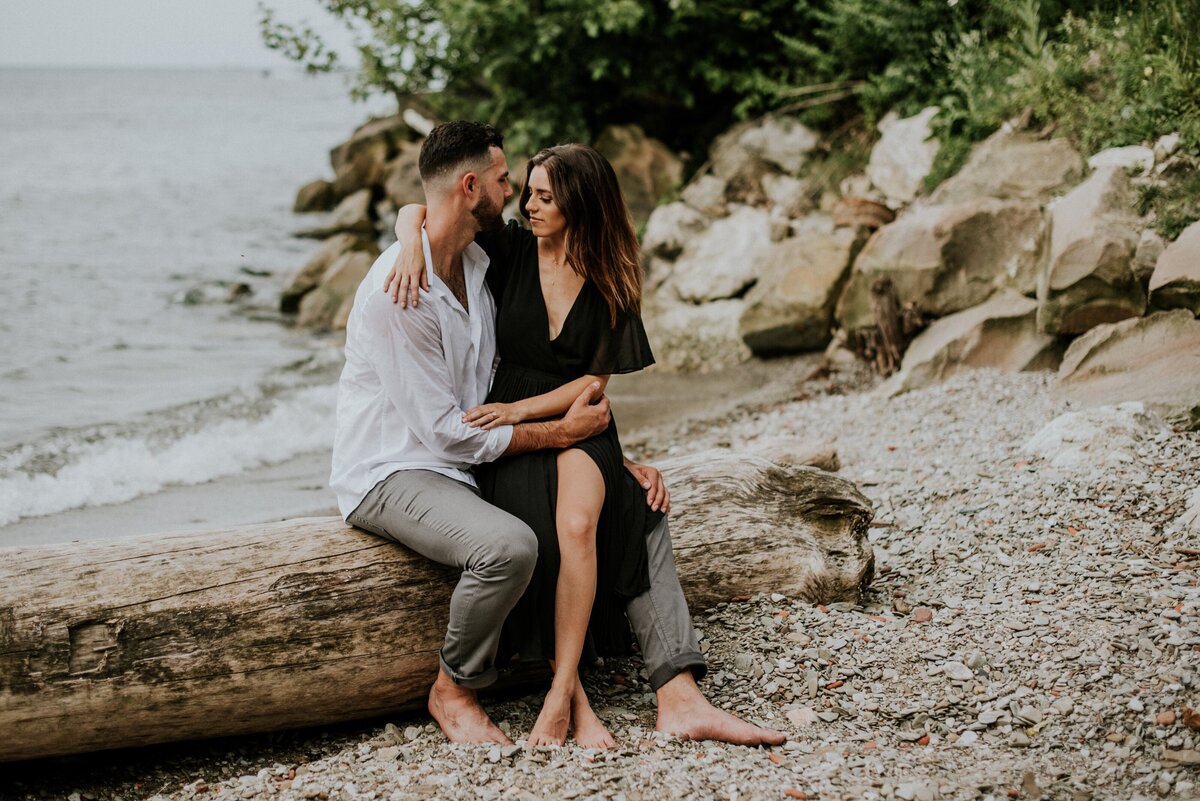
(409, 376)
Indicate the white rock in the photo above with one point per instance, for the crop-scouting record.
(1166, 146)
(1102, 435)
(725, 259)
(1130, 158)
(957, 671)
(903, 156)
(967, 738)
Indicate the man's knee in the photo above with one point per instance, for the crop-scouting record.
(511, 549)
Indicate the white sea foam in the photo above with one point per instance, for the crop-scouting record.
(80, 469)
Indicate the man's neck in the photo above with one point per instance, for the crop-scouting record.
(448, 238)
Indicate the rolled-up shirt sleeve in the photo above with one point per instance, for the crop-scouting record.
(406, 351)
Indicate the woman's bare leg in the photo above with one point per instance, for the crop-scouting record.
(580, 496)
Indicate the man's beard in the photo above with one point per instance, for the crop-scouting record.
(488, 214)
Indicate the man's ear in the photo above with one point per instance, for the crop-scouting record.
(469, 183)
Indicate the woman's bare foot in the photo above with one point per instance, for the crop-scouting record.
(555, 718)
(684, 712)
(456, 709)
(589, 730)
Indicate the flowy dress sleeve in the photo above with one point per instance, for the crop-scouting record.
(624, 348)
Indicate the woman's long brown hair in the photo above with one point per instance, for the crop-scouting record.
(601, 243)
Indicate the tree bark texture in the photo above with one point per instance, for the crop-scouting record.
(147, 639)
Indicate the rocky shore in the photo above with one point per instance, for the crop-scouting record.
(1033, 632)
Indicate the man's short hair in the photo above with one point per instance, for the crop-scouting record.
(452, 146)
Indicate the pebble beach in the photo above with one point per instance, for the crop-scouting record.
(1032, 632)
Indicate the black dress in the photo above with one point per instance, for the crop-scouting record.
(526, 485)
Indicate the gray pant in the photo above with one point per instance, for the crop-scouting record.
(446, 521)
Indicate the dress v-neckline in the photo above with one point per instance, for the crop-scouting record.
(546, 308)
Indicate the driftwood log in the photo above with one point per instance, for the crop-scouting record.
(147, 639)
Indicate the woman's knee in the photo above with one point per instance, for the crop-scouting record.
(576, 531)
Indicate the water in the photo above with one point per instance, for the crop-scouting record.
(119, 191)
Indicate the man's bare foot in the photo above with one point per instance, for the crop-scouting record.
(684, 712)
(589, 729)
(554, 719)
(456, 709)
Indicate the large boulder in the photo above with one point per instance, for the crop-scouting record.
(310, 274)
(707, 193)
(1088, 277)
(359, 162)
(745, 153)
(944, 259)
(402, 178)
(689, 337)
(791, 307)
(1176, 279)
(315, 195)
(725, 259)
(646, 168)
(999, 333)
(1013, 165)
(671, 228)
(1154, 359)
(390, 132)
(328, 305)
(903, 156)
(352, 216)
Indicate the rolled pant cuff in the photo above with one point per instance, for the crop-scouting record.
(484, 679)
(692, 660)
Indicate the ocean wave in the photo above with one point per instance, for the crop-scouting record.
(191, 444)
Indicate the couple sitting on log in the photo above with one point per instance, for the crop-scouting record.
(513, 473)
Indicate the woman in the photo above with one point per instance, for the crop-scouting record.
(568, 293)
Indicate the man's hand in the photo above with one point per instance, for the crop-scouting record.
(587, 417)
(407, 275)
(657, 496)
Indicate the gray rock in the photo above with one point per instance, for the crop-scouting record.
(1154, 359)
(1013, 165)
(1000, 333)
(944, 259)
(791, 307)
(1175, 283)
(1088, 279)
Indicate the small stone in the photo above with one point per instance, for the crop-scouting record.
(801, 716)
(957, 671)
(922, 614)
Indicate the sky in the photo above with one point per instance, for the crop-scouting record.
(152, 33)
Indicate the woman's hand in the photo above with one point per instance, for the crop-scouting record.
(657, 496)
(490, 415)
(408, 275)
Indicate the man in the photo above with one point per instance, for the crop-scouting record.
(402, 455)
